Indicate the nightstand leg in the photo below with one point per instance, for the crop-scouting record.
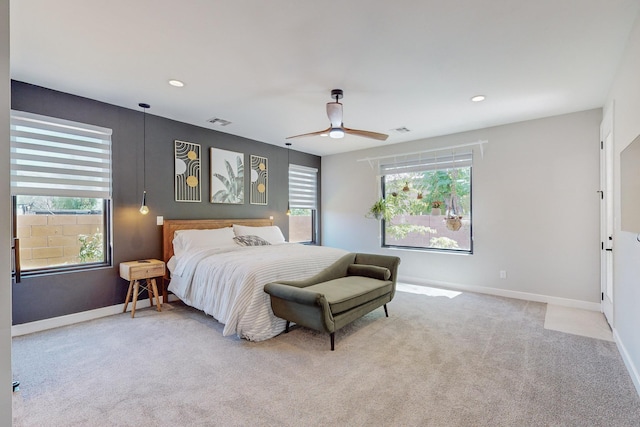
(155, 292)
(136, 289)
(165, 297)
(126, 301)
(150, 292)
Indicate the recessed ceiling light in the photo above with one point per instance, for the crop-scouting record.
(176, 83)
(478, 98)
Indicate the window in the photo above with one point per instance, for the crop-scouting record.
(61, 188)
(428, 203)
(303, 190)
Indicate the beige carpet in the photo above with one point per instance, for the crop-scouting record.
(444, 359)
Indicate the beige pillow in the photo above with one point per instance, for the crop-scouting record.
(271, 234)
(184, 240)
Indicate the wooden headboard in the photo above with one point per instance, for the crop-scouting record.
(171, 225)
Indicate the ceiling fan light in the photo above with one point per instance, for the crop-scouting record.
(336, 133)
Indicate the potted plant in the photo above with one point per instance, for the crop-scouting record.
(453, 222)
(452, 217)
(435, 208)
(378, 210)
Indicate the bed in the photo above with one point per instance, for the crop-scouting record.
(211, 271)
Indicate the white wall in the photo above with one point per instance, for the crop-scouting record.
(5, 235)
(535, 211)
(625, 96)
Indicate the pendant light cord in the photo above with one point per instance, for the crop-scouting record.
(144, 149)
(144, 106)
(143, 207)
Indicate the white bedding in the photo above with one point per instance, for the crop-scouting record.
(228, 283)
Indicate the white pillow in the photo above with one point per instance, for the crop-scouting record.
(184, 240)
(271, 234)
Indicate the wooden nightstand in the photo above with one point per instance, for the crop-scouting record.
(135, 272)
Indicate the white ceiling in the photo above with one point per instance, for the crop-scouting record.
(269, 66)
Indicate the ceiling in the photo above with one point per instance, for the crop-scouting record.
(268, 66)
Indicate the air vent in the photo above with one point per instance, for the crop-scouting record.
(402, 130)
(219, 122)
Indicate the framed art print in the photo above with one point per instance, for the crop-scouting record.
(259, 180)
(187, 170)
(227, 176)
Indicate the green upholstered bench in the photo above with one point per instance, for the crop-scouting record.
(345, 291)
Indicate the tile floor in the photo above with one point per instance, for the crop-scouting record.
(578, 322)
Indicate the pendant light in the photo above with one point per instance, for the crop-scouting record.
(143, 207)
(288, 144)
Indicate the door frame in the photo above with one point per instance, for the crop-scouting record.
(607, 215)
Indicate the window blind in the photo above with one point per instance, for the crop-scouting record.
(303, 187)
(55, 157)
(416, 163)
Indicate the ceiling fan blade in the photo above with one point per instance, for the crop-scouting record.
(337, 130)
(334, 111)
(320, 132)
(366, 134)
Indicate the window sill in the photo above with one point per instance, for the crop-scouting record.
(65, 270)
(428, 250)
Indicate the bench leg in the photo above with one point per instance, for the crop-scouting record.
(333, 340)
(386, 313)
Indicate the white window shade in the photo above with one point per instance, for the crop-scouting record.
(56, 157)
(303, 187)
(418, 164)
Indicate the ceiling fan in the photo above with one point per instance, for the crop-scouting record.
(337, 129)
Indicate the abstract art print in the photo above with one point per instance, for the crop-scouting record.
(187, 168)
(227, 176)
(259, 181)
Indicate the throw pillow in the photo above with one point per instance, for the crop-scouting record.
(251, 240)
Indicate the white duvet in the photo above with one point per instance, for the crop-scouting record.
(228, 283)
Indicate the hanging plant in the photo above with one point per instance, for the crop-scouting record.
(378, 210)
(453, 223)
(453, 219)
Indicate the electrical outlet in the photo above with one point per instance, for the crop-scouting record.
(159, 220)
(503, 274)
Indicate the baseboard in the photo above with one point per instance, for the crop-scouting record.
(633, 371)
(55, 322)
(70, 319)
(565, 302)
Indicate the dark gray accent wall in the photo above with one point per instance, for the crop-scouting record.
(136, 236)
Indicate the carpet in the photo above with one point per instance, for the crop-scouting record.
(450, 359)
